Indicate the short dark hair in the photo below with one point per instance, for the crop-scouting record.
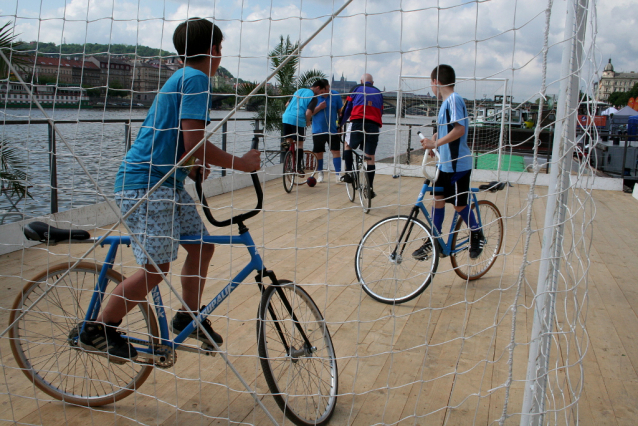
(444, 74)
(321, 83)
(195, 36)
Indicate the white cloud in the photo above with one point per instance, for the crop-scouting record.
(488, 38)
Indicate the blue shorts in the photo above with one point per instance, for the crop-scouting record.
(159, 222)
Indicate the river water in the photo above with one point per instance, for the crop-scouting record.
(101, 147)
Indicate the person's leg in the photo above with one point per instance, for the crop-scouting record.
(319, 147)
(347, 158)
(336, 161)
(130, 292)
(194, 272)
(438, 213)
(371, 169)
(468, 216)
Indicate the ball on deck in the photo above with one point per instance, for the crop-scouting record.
(311, 181)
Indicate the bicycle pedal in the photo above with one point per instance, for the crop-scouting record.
(208, 349)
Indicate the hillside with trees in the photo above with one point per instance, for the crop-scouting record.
(88, 49)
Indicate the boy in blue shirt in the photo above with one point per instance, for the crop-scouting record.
(325, 110)
(455, 166)
(174, 125)
(297, 116)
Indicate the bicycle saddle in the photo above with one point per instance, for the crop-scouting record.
(493, 186)
(40, 231)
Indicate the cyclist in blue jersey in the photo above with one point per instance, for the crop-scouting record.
(297, 116)
(455, 166)
(325, 109)
(174, 125)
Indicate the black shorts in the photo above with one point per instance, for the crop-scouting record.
(293, 132)
(319, 142)
(365, 136)
(456, 187)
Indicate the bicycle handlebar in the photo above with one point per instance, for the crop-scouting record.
(235, 219)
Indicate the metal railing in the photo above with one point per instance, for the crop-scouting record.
(52, 149)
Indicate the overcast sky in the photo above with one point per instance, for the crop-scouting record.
(387, 38)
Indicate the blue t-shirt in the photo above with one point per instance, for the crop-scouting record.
(295, 113)
(326, 120)
(456, 155)
(160, 144)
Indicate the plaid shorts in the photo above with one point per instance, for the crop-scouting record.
(159, 221)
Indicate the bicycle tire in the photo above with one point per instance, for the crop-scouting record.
(43, 344)
(351, 187)
(305, 384)
(390, 277)
(473, 269)
(364, 191)
(311, 163)
(289, 171)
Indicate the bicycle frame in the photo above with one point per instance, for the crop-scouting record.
(255, 264)
(446, 246)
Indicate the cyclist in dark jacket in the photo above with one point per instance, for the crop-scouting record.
(362, 117)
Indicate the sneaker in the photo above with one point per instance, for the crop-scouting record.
(98, 337)
(346, 178)
(182, 319)
(319, 177)
(477, 242)
(423, 252)
(372, 194)
(338, 178)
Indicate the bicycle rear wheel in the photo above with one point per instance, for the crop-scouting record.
(289, 171)
(473, 269)
(384, 263)
(44, 340)
(302, 378)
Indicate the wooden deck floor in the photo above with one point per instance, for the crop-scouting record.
(440, 359)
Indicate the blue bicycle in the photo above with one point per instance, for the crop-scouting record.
(398, 256)
(294, 344)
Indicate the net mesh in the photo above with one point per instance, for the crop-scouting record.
(455, 354)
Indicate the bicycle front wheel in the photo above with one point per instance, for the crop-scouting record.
(492, 226)
(44, 341)
(311, 163)
(388, 264)
(302, 375)
(289, 171)
(364, 191)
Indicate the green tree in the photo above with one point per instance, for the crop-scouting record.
(116, 89)
(620, 99)
(271, 103)
(12, 167)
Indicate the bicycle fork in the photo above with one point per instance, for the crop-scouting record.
(290, 350)
(409, 224)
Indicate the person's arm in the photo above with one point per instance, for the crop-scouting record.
(316, 106)
(456, 133)
(209, 154)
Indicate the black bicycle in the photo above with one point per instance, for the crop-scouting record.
(360, 182)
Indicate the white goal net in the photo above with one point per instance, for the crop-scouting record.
(497, 339)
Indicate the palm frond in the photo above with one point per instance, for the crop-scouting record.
(307, 78)
(13, 170)
(10, 49)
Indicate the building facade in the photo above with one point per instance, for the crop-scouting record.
(612, 81)
(148, 79)
(113, 70)
(65, 72)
